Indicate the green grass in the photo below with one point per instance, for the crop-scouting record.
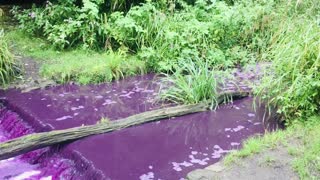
(193, 83)
(307, 164)
(8, 67)
(306, 156)
(293, 82)
(80, 66)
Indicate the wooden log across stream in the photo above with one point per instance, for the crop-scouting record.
(35, 141)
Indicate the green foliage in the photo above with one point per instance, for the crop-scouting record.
(302, 140)
(193, 83)
(80, 66)
(212, 32)
(75, 66)
(293, 82)
(8, 68)
(64, 24)
(307, 163)
(161, 33)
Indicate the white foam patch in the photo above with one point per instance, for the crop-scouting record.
(3, 162)
(194, 152)
(235, 144)
(251, 115)
(26, 175)
(147, 91)
(238, 128)
(77, 108)
(108, 101)
(218, 152)
(148, 176)
(198, 161)
(64, 118)
(178, 166)
(99, 97)
(127, 95)
(46, 178)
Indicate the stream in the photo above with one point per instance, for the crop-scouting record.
(167, 149)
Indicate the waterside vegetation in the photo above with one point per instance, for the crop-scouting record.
(191, 42)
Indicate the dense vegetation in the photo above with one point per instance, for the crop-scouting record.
(293, 83)
(8, 68)
(191, 41)
(128, 37)
(163, 38)
(300, 141)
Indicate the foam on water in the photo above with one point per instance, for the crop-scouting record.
(30, 166)
(168, 149)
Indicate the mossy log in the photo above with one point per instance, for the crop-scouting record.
(35, 141)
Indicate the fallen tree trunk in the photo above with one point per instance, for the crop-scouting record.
(35, 141)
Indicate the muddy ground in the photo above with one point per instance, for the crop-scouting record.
(30, 77)
(271, 164)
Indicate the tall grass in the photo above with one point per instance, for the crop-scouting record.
(7, 65)
(193, 83)
(90, 68)
(293, 84)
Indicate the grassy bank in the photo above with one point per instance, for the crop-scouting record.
(191, 41)
(301, 141)
(8, 66)
(292, 87)
(154, 36)
(82, 66)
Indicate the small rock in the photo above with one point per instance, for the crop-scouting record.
(217, 167)
(201, 174)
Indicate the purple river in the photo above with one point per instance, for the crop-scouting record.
(165, 150)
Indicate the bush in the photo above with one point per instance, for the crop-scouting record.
(159, 34)
(64, 24)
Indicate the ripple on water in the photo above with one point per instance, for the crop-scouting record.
(166, 150)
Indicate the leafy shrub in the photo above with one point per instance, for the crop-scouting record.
(64, 24)
(212, 32)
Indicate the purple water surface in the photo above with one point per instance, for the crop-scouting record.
(33, 165)
(166, 149)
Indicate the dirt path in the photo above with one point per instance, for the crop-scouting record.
(30, 78)
(271, 164)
